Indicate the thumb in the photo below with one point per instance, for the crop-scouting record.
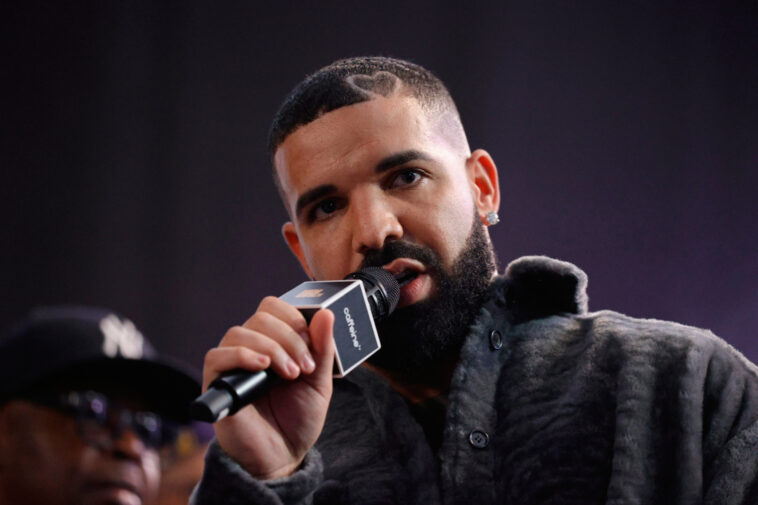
(321, 332)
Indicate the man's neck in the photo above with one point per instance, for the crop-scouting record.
(414, 390)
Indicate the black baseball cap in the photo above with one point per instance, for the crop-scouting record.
(92, 344)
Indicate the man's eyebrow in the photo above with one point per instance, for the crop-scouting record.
(397, 159)
(312, 195)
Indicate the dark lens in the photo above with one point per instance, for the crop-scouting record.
(92, 417)
(93, 407)
(149, 428)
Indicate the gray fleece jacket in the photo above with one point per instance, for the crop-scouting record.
(548, 404)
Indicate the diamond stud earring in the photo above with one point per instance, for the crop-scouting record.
(492, 218)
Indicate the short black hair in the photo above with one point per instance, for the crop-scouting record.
(350, 81)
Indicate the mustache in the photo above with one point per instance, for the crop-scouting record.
(401, 249)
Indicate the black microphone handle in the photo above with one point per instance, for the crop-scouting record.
(231, 391)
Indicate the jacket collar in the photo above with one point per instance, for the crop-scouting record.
(537, 286)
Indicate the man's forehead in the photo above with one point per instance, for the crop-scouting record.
(373, 128)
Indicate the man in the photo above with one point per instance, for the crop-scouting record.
(487, 389)
(85, 408)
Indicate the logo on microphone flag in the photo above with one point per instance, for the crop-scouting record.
(310, 293)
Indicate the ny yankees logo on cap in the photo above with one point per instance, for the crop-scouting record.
(121, 337)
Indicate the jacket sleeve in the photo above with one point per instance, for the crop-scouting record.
(225, 482)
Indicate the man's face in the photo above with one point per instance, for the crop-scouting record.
(43, 459)
(380, 171)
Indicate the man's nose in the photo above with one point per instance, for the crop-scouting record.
(374, 221)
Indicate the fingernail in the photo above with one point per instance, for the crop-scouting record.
(292, 368)
(308, 364)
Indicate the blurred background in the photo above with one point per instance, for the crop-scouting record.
(135, 175)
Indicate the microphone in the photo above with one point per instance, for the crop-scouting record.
(357, 301)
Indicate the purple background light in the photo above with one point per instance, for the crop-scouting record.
(135, 174)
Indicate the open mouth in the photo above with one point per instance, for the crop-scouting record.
(405, 277)
(415, 282)
(405, 269)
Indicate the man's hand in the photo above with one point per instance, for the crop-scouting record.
(270, 437)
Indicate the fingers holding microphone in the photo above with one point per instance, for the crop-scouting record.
(287, 364)
(276, 331)
(270, 437)
(362, 297)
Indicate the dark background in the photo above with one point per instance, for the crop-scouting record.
(134, 171)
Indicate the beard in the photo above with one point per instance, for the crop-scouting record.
(419, 339)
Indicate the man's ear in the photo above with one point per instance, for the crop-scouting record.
(293, 241)
(482, 174)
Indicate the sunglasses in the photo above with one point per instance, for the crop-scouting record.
(101, 422)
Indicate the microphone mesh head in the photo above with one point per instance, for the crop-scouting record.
(386, 282)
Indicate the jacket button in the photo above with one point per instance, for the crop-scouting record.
(478, 439)
(496, 340)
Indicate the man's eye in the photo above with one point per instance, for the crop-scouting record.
(324, 209)
(405, 178)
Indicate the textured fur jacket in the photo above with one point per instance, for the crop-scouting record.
(548, 404)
